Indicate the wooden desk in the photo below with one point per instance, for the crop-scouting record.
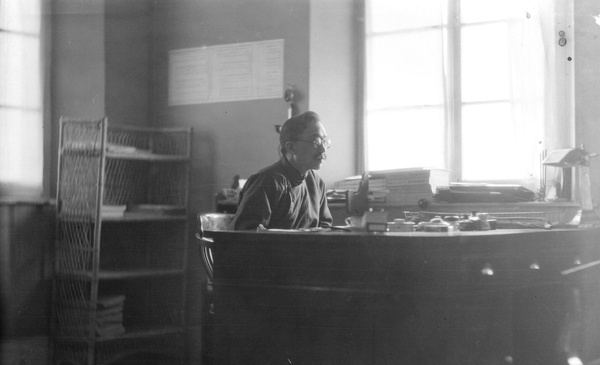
(495, 297)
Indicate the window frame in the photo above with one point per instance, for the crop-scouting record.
(453, 123)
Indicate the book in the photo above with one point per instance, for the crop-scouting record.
(409, 172)
(378, 196)
(126, 150)
(432, 176)
(102, 303)
(112, 210)
(110, 301)
(118, 148)
(388, 179)
(109, 316)
(412, 188)
(408, 199)
(410, 194)
(157, 209)
(346, 185)
(112, 315)
(110, 330)
(83, 315)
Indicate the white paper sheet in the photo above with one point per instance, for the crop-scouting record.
(232, 72)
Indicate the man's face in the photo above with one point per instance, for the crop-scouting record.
(305, 155)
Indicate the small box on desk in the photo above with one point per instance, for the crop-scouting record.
(375, 221)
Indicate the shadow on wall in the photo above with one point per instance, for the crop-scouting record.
(203, 175)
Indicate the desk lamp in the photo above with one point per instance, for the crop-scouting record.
(580, 159)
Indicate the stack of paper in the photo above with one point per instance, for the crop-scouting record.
(401, 186)
(109, 316)
(408, 186)
(112, 211)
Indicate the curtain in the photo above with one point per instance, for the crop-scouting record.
(510, 121)
(532, 56)
(538, 78)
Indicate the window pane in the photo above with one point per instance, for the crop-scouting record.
(20, 15)
(21, 156)
(20, 71)
(390, 15)
(472, 11)
(407, 138)
(405, 69)
(490, 144)
(485, 62)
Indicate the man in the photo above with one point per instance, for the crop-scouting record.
(289, 194)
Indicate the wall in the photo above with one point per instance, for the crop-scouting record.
(77, 81)
(128, 55)
(26, 242)
(100, 64)
(334, 86)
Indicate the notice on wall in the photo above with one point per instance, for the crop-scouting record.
(231, 72)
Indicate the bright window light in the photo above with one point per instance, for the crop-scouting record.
(21, 119)
(458, 84)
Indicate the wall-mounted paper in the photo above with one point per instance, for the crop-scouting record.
(231, 72)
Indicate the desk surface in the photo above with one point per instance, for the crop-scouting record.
(561, 212)
(438, 235)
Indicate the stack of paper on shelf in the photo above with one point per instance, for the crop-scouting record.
(119, 148)
(109, 316)
(111, 211)
(126, 150)
(156, 209)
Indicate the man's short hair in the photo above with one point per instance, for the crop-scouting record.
(293, 128)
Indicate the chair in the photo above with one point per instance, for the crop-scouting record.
(208, 222)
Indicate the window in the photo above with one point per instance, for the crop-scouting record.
(21, 117)
(459, 84)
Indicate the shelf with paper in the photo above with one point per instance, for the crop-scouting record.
(122, 231)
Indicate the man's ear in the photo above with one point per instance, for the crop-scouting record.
(289, 146)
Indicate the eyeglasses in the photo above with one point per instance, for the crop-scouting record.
(325, 142)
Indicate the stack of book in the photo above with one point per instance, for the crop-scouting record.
(350, 183)
(377, 187)
(408, 186)
(109, 316)
(400, 186)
